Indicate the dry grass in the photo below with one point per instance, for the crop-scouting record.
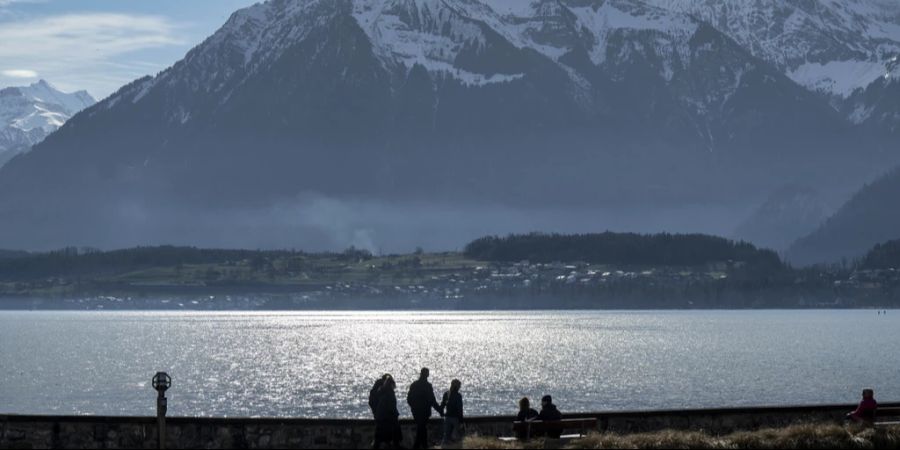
(810, 436)
(660, 439)
(480, 442)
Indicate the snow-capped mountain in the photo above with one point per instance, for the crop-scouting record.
(555, 103)
(836, 46)
(442, 36)
(29, 113)
(592, 44)
(845, 49)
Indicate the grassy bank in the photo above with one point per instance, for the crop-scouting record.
(810, 436)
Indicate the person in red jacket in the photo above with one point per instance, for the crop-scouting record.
(865, 412)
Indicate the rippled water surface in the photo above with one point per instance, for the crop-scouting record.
(323, 364)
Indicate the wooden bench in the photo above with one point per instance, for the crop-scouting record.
(887, 416)
(537, 428)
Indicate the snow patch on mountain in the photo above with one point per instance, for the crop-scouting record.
(516, 8)
(840, 78)
(403, 33)
(609, 17)
(861, 113)
(612, 15)
(429, 33)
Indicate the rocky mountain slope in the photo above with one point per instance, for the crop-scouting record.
(844, 49)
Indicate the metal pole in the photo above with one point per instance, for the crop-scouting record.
(161, 406)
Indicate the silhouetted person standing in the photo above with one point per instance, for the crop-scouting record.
(549, 413)
(452, 405)
(374, 392)
(387, 417)
(421, 401)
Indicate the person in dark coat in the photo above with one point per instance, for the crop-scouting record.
(549, 413)
(374, 392)
(452, 405)
(387, 417)
(421, 401)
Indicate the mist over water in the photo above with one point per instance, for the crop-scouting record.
(323, 364)
(313, 222)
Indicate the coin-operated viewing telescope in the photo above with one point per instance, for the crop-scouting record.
(161, 383)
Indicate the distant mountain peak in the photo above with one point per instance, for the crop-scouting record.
(29, 113)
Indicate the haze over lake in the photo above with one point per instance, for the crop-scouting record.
(322, 364)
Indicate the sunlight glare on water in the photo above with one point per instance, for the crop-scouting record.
(322, 364)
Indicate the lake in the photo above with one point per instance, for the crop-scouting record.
(321, 364)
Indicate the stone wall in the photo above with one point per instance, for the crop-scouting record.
(182, 432)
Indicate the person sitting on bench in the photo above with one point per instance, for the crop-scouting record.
(549, 413)
(865, 412)
(526, 414)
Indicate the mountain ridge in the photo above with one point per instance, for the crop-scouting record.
(867, 219)
(296, 99)
(842, 49)
(790, 213)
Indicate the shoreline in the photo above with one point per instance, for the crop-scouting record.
(46, 306)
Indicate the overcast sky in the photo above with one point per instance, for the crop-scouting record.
(99, 45)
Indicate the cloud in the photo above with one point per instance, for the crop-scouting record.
(77, 37)
(19, 73)
(84, 50)
(7, 3)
